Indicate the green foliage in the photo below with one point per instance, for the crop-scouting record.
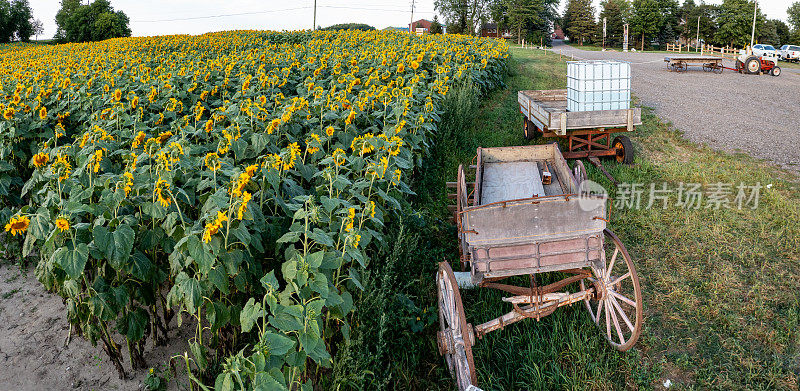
(462, 16)
(617, 13)
(349, 26)
(782, 32)
(436, 27)
(794, 15)
(707, 15)
(93, 22)
(529, 19)
(735, 22)
(579, 22)
(15, 21)
(645, 20)
(248, 198)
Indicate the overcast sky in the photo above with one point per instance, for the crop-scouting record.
(200, 16)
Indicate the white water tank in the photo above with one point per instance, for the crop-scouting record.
(598, 85)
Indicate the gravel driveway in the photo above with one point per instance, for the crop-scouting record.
(758, 115)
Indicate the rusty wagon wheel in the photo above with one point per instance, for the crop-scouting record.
(455, 337)
(616, 306)
(528, 129)
(624, 148)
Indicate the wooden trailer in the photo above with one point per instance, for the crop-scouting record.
(525, 213)
(682, 63)
(588, 132)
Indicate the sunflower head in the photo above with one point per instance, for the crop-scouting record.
(18, 225)
(62, 223)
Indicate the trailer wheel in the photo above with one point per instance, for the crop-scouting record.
(528, 129)
(624, 148)
(776, 71)
(752, 65)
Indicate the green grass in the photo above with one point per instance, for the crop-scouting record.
(722, 309)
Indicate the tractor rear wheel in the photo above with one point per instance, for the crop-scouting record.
(752, 65)
(776, 71)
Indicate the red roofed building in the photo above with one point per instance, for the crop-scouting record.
(421, 26)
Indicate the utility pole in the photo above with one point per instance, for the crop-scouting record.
(411, 25)
(697, 45)
(753, 33)
(314, 27)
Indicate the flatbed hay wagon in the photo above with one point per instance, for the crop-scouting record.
(524, 214)
(682, 63)
(588, 133)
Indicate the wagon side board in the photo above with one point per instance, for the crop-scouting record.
(533, 220)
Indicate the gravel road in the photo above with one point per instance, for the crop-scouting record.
(758, 115)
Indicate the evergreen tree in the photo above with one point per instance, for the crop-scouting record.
(616, 13)
(579, 21)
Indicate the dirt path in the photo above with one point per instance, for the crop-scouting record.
(758, 115)
(33, 329)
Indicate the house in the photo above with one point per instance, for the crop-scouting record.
(558, 33)
(491, 30)
(421, 26)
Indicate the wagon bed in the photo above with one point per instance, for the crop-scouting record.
(682, 63)
(587, 132)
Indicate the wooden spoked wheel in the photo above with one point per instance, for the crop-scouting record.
(616, 306)
(455, 337)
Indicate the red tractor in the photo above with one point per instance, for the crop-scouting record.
(755, 65)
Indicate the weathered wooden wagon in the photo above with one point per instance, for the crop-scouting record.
(524, 214)
(682, 63)
(587, 132)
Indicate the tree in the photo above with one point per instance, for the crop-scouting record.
(782, 31)
(93, 22)
(689, 17)
(579, 20)
(349, 26)
(669, 28)
(794, 15)
(462, 16)
(736, 21)
(616, 13)
(38, 28)
(436, 27)
(15, 20)
(645, 19)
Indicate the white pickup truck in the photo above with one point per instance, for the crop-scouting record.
(789, 53)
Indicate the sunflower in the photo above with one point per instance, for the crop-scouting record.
(243, 207)
(18, 225)
(251, 169)
(40, 159)
(8, 114)
(213, 227)
(62, 223)
(161, 191)
(329, 131)
(43, 113)
(117, 95)
(212, 161)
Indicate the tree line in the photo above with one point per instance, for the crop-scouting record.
(16, 21)
(665, 21)
(650, 21)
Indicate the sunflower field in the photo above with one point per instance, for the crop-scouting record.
(236, 179)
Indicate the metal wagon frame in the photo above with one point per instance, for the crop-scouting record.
(525, 214)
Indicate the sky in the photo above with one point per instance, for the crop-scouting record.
(201, 16)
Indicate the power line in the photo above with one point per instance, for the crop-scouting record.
(221, 16)
(279, 10)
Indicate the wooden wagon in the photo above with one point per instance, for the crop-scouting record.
(524, 214)
(588, 133)
(682, 63)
